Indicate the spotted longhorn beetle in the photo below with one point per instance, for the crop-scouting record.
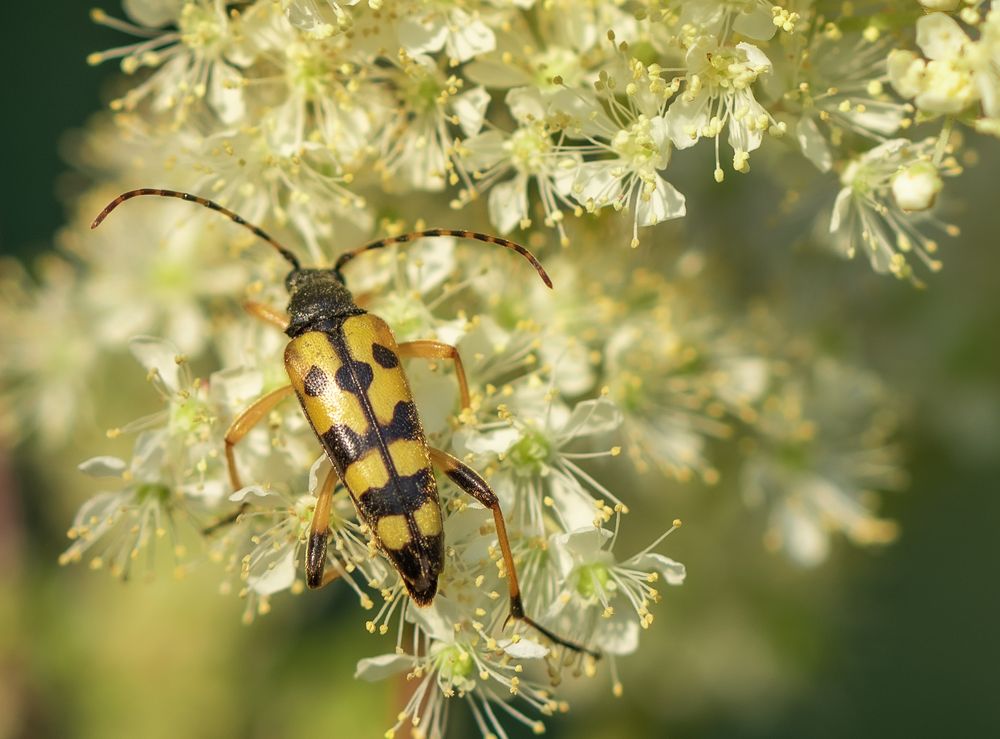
(344, 366)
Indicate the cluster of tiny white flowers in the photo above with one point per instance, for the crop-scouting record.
(328, 123)
(295, 111)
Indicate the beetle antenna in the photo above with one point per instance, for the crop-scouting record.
(291, 258)
(474, 235)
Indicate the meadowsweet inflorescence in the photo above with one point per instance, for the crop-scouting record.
(326, 122)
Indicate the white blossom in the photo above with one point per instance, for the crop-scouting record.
(534, 154)
(43, 384)
(945, 81)
(633, 141)
(718, 95)
(200, 59)
(822, 447)
(591, 575)
(865, 215)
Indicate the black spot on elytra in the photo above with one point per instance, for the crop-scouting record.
(402, 495)
(315, 381)
(355, 377)
(345, 445)
(385, 356)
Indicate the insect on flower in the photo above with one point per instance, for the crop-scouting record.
(343, 363)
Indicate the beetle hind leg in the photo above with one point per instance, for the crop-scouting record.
(471, 482)
(319, 534)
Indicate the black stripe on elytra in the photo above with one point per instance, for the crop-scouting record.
(405, 423)
(385, 356)
(402, 496)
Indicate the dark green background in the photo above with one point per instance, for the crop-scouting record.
(911, 644)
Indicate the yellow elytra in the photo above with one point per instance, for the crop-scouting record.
(352, 388)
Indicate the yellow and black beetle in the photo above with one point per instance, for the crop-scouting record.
(344, 366)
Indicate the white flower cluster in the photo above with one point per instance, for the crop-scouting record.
(295, 111)
(328, 122)
(536, 448)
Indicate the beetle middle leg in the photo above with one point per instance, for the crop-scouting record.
(427, 349)
(244, 422)
(319, 533)
(470, 481)
(239, 428)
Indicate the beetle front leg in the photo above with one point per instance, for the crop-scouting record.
(471, 482)
(319, 533)
(266, 313)
(427, 349)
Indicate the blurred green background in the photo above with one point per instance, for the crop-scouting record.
(901, 641)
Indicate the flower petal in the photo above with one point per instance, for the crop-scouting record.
(153, 13)
(673, 572)
(470, 107)
(508, 203)
(619, 634)
(595, 184)
(373, 669)
(589, 417)
(523, 648)
(469, 37)
(940, 37)
(664, 203)
(277, 576)
(418, 36)
(526, 104)
(686, 118)
(756, 24)
(242, 495)
(159, 356)
(841, 208)
(103, 467)
(813, 145)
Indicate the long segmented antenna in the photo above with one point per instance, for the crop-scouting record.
(291, 258)
(475, 235)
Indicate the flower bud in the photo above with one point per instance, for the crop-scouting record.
(916, 187)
